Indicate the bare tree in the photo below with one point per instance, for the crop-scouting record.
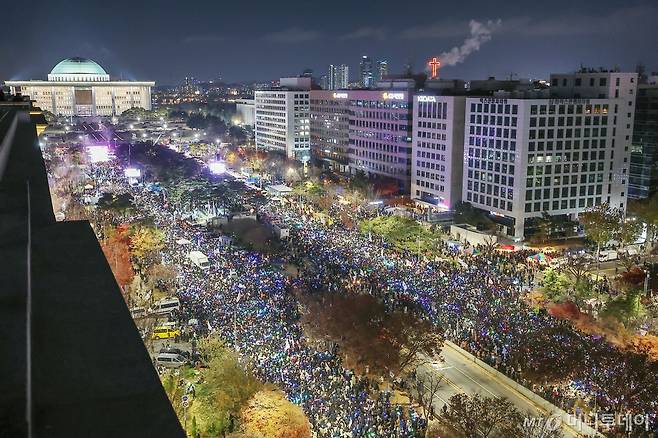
(425, 390)
(477, 417)
(489, 245)
(578, 268)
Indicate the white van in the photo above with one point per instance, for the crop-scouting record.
(199, 259)
(170, 360)
(165, 306)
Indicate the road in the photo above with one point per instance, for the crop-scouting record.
(461, 375)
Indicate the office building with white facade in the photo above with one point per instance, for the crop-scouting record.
(282, 118)
(560, 155)
(437, 150)
(81, 87)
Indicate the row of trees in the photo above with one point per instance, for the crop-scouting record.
(485, 417)
(604, 224)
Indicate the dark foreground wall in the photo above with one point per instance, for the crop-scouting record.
(91, 375)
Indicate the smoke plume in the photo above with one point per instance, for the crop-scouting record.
(480, 34)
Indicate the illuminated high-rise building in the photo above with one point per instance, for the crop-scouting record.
(381, 71)
(338, 77)
(367, 79)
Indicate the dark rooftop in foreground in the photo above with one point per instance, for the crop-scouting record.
(91, 375)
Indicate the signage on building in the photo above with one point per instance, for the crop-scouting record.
(340, 95)
(568, 101)
(393, 96)
(492, 100)
(426, 98)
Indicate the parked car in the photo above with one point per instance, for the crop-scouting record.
(173, 350)
(170, 360)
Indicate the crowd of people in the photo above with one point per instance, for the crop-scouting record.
(247, 300)
(478, 302)
(476, 299)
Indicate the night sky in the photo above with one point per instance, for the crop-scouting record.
(245, 40)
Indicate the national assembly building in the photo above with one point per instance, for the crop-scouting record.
(81, 87)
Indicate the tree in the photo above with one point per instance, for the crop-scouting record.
(627, 309)
(579, 268)
(425, 388)
(601, 224)
(465, 213)
(555, 284)
(145, 243)
(269, 414)
(628, 231)
(477, 417)
(369, 337)
(227, 385)
(405, 234)
(489, 245)
(117, 252)
(543, 228)
(646, 211)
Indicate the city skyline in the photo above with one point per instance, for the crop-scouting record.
(530, 44)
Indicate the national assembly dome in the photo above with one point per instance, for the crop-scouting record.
(79, 70)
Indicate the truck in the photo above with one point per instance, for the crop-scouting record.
(199, 259)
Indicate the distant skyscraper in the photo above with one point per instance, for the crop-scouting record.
(365, 72)
(338, 77)
(382, 70)
(324, 82)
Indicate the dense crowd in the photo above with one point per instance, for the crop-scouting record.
(248, 301)
(478, 302)
(475, 299)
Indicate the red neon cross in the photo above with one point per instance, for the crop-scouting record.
(434, 65)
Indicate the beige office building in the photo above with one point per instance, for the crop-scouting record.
(81, 87)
